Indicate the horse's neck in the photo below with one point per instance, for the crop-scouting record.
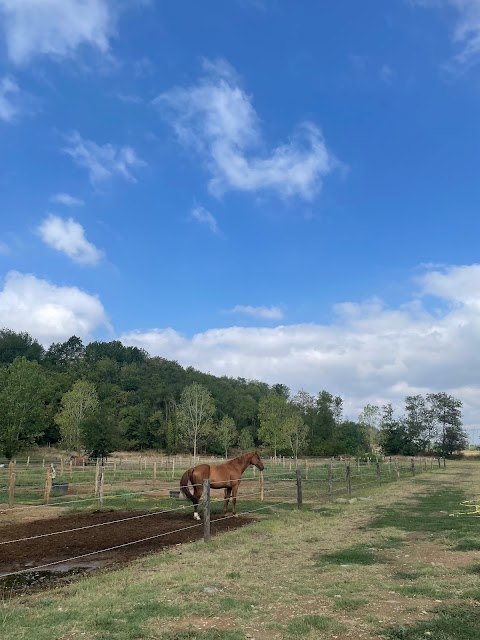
(243, 462)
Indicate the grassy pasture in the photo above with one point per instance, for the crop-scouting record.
(398, 566)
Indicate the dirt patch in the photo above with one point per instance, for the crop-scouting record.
(164, 530)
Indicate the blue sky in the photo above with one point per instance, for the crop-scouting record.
(277, 190)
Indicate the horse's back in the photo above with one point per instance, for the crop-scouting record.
(201, 472)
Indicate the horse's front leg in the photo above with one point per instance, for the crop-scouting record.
(228, 493)
(234, 499)
(197, 494)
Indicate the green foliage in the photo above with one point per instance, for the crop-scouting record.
(433, 423)
(18, 345)
(295, 433)
(142, 397)
(245, 440)
(78, 404)
(23, 392)
(100, 433)
(226, 434)
(273, 411)
(194, 415)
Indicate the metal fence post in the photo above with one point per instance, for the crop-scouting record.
(379, 477)
(349, 481)
(206, 510)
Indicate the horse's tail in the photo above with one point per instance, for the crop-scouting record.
(184, 480)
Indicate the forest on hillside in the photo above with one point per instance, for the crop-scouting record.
(105, 396)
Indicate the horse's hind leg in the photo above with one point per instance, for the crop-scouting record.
(228, 493)
(197, 494)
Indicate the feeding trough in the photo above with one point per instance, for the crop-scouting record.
(60, 488)
(174, 493)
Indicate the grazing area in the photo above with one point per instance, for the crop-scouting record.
(395, 565)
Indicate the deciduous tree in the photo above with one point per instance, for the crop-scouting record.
(194, 415)
(226, 433)
(77, 405)
(23, 389)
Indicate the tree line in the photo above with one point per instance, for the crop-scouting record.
(105, 396)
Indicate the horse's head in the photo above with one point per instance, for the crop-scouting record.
(256, 461)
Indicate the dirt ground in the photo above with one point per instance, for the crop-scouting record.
(29, 554)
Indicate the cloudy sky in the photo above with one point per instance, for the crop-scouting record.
(285, 191)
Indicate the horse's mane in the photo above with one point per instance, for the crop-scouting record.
(244, 456)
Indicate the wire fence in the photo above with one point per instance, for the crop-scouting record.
(273, 488)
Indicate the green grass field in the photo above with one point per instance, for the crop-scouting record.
(396, 566)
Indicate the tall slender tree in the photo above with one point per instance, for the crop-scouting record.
(226, 434)
(195, 415)
(273, 410)
(77, 405)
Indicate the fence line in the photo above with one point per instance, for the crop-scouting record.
(125, 544)
(208, 500)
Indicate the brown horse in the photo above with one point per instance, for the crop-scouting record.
(223, 476)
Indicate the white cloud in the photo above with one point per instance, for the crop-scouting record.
(48, 312)
(56, 28)
(67, 200)
(370, 353)
(205, 217)
(68, 237)
(216, 118)
(269, 313)
(387, 74)
(102, 162)
(466, 30)
(10, 99)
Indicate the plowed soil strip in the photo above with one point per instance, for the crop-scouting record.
(31, 553)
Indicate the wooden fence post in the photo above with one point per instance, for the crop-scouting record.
(261, 486)
(349, 481)
(28, 461)
(11, 484)
(154, 472)
(299, 488)
(97, 478)
(413, 466)
(444, 462)
(101, 484)
(48, 486)
(306, 469)
(330, 482)
(379, 477)
(206, 510)
(439, 462)
(62, 466)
